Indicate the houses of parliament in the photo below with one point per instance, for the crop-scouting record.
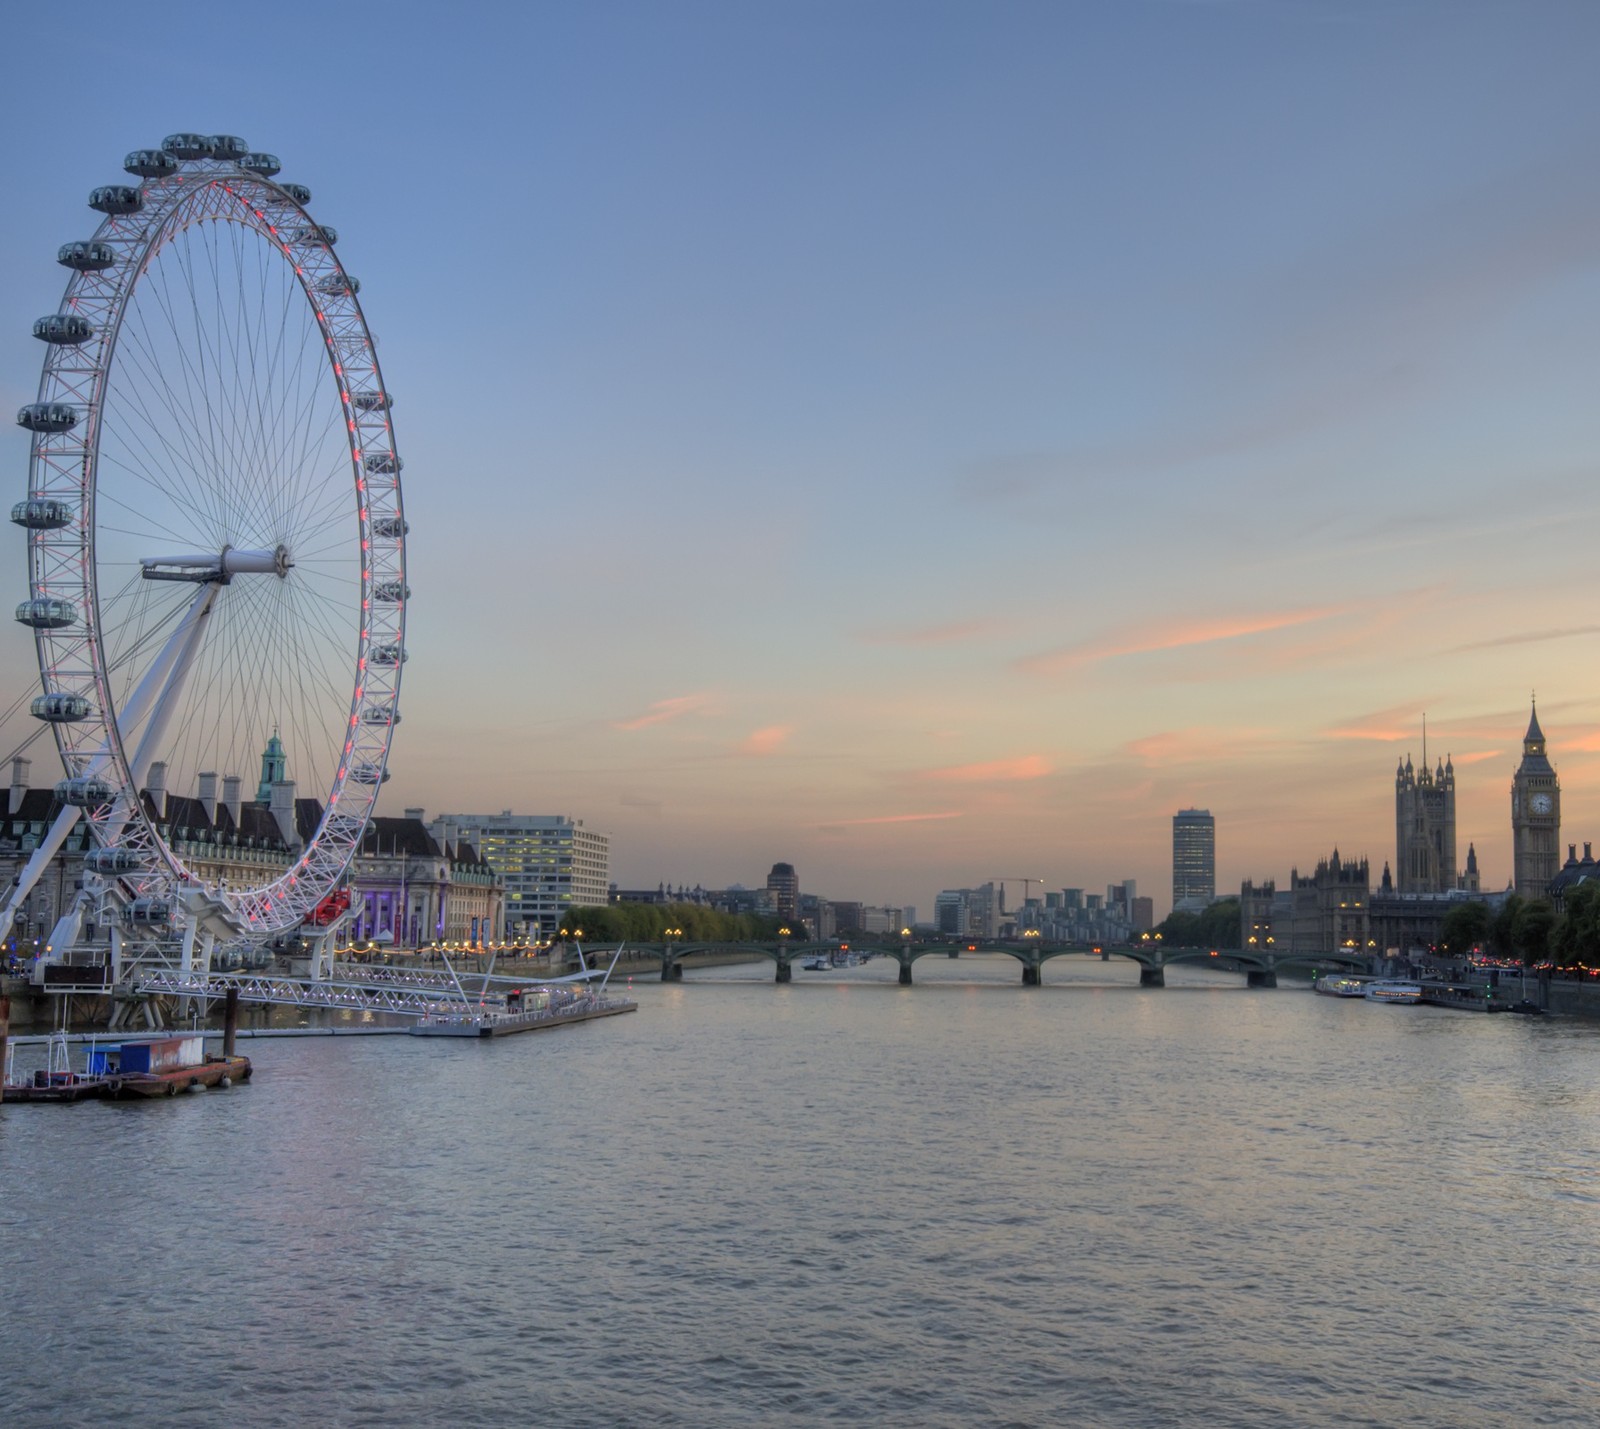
(1425, 825)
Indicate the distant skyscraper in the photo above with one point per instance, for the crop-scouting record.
(1425, 827)
(1194, 859)
(783, 883)
(1535, 816)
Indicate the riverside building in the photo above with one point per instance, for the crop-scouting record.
(549, 862)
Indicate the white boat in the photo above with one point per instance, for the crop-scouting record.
(1340, 985)
(817, 964)
(1394, 992)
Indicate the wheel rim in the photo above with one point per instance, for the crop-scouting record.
(231, 408)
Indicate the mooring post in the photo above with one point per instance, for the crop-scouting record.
(5, 1036)
(230, 1022)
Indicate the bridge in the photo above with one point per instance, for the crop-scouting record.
(1260, 968)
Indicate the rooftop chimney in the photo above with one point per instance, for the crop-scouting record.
(155, 785)
(19, 783)
(230, 798)
(282, 807)
(208, 797)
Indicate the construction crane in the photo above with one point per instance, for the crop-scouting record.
(1026, 883)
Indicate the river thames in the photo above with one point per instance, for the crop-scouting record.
(839, 1201)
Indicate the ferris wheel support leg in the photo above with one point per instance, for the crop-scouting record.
(159, 691)
(190, 965)
(167, 678)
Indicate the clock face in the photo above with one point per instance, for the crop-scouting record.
(1540, 803)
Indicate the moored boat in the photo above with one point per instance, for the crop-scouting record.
(142, 1067)
(165, 1066)
(1340, 985)
(1404, 992)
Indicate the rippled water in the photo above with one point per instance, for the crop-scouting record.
(838, 1201)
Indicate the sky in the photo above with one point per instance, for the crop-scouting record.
(931, 442)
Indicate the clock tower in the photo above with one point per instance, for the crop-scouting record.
(1535, 816)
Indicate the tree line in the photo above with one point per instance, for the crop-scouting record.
(1216, 927)
(1531, 930)
(648, 923)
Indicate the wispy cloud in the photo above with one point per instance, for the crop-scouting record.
(1029, 766)
(1381, 726)
(766, 741)
(1479, 756)
(663, 710)
(947, 634)
(1172, 635)
(1526, 637)
(1185, 746)
(891, 819)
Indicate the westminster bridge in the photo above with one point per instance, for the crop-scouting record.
(1260, 969)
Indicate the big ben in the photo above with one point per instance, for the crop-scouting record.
(1535, 816)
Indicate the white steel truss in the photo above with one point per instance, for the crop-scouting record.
(76, 659)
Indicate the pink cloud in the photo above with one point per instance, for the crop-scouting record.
(1382, 726)
(766, 741)
(1485, 754)
(1030, 766)
(889, 819)
(1180, 746)
(1172, 635)
(663, 710)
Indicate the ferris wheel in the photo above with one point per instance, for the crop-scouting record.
(216, 541)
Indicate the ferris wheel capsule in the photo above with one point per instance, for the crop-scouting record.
(189, 146)
(86, 257)
(149, 911)
(150, 163)
(390, 528)
(228, 146)
(42, 514)
(63, 329)
(264, 164)
(84, 792)
(116, 199)
(113, 860)
(298, 192)
(47, 613)
(48, 417)
(59, 707)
